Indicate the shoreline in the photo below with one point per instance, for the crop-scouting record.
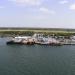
(10, 32)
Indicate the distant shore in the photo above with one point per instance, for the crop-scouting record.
(4, 32)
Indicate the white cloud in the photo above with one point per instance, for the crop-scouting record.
(63, 2)
(27, 2)
(72, 7)
(46, 10)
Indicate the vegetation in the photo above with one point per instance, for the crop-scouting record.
(25, 31)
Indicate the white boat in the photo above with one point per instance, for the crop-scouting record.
(21, 40)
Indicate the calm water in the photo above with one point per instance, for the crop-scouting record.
(36, 59)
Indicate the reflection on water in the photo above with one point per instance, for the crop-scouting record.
(36, 59)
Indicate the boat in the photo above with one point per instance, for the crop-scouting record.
(40, 40)
(14, 41)
(21, 40)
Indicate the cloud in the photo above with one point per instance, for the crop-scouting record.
(46, 10)
(63, 2)
(72, 7)
(27, 2)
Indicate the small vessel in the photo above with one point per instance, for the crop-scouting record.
(39, 39)
(21, 40)
(14, 41)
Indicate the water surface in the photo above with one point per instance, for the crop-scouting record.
(36, 59)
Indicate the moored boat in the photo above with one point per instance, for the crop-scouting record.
(21, 40)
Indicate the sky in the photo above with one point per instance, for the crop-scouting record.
(37, 13)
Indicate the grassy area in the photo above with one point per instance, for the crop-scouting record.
(16, 32)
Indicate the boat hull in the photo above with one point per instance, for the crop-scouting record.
(12, 42)
(21, 43)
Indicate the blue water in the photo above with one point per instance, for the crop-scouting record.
(36, 59)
